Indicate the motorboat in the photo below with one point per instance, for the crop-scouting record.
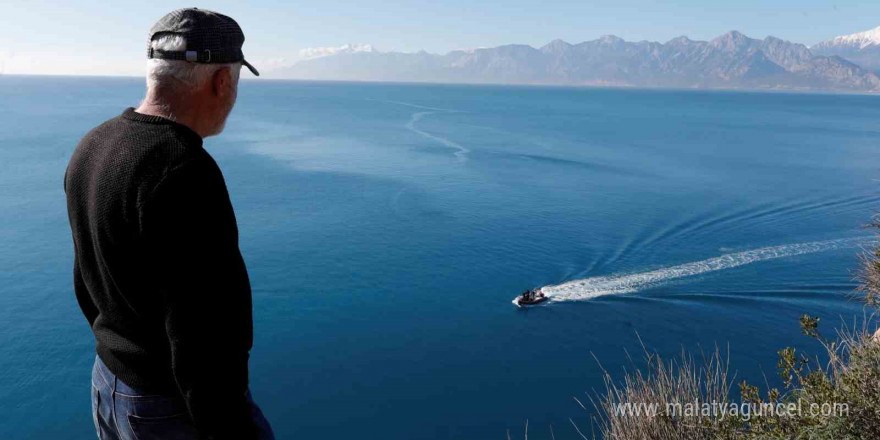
(530, 298)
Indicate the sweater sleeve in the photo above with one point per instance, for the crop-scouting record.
(82, 298)
(79, 286)
(189, 226)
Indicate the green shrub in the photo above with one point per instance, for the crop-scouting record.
(835, 398)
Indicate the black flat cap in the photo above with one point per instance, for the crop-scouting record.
(210, 37)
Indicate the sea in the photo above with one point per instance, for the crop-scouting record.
(388, 227)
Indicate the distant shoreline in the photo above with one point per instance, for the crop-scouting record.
(792, 91)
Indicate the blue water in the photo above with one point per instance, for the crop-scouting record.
(387, 228)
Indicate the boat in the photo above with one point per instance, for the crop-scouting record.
(535, 297)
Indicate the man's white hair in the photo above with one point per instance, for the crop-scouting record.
(181, 76)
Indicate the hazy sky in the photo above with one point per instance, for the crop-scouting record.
(109, 37)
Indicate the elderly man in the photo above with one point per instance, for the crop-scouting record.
(158, 272)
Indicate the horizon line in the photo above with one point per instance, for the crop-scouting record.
(782, 91)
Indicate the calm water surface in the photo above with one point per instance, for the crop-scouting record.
(388, 227)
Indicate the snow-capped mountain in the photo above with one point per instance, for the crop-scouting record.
(732, 60)
(862, 48)
(318, 52)
(858, 41)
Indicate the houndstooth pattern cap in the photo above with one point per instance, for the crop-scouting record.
(210, 37)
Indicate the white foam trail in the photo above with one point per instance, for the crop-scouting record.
(461, 152)
(407, 104)
(584, 289)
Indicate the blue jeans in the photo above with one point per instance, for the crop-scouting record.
(121, 412)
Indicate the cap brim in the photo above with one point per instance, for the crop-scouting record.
(251, 68)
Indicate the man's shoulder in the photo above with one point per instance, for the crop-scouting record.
(133, 153)
(127, 141)
(167, 140)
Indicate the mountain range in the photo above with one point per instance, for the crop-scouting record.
(732, 60)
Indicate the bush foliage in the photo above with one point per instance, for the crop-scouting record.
(837, 397)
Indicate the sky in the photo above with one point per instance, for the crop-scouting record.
(109, 38)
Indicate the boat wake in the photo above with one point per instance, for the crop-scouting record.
(588, 288)
(460, 150)
(460, 153)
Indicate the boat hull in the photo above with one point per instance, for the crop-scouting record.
(520, 303)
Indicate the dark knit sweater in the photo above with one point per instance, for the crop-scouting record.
(158, 272)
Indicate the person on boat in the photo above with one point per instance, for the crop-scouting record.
(525, 295)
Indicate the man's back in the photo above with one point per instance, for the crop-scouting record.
(158, 273)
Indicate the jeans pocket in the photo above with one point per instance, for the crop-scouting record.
(176, 427)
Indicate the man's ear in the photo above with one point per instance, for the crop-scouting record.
(222, 82)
